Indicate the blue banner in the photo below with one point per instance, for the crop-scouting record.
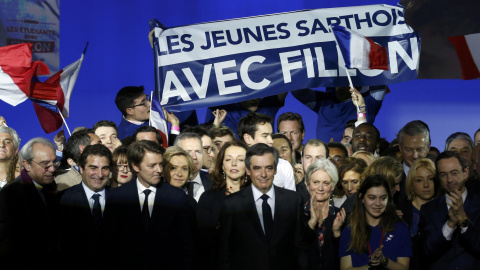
(223, 62)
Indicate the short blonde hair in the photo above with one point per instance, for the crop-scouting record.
(412, 173)
(389, 167)
(172, 151)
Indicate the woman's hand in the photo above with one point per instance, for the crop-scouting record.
(338, 222)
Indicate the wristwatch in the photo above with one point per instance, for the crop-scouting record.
(464, 224)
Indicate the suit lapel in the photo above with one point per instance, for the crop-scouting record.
(278, 219)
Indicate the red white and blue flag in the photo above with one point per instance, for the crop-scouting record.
(359, 51)
(53, 96)
(158, 120)
(17, 71)
(468, 51)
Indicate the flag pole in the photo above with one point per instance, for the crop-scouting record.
(150, 118)
(65, 122)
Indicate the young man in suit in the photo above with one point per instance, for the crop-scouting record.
(450, 224)
(150, 222)
(263, 226)
(81, 211)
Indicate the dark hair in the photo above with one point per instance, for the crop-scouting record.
(459, 136)
(146, 129)
(317, 142)
(451, 154)
(261, 149)
(72, 148)
(137, 150)
(291, 116)
(338, 145)
(360, 229)
(201, 131)
(377, 137)
(350, 124)
(414, 128)
(95, 150)
(218, 180)
(248, 124)
(281, 136)
(119, 153)
(126, 96)
(357, 165)
(104, 123)
(222, 131)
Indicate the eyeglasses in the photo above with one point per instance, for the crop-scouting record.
(122, 167)
(208, 149)
(144, 103)
(46, 167)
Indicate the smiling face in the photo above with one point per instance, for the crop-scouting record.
(7, 148)
(176, 171)
(150, 169)
(423, 184)
(351, 182)
(234, 163)
(375, 202)
(320, 185)
(96, 172)
(43, 157)
(364, 138)
(262, 170)
(106, 135)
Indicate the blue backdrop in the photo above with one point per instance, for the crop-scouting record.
(119, 55)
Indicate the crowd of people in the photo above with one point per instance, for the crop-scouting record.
(231, 194)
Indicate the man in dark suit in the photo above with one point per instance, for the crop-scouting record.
(81, 211)
(28, 237)
(263, 226)
(450, 224)
(150, 222)
(200, 182)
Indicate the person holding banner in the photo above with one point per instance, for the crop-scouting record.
(134, 105)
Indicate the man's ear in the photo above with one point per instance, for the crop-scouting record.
(26, 165)
(80, 169)
(248, 139)
(135, 167)
(129, 111)
(71, 162)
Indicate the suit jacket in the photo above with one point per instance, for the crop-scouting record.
(164, 242)
(78, 233)
(28, 236)
(207, 183)
(463, 251)
(242, 242)
(68, 179)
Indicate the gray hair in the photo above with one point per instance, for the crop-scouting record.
(459, 135)
(13, 133)
(414, 128)
(26, 152)
(325, 165)
(187, 135)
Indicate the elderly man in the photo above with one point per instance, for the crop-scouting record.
(461, 143)
(263, 226)
(9, 143)
(28, 205)
(450, 224)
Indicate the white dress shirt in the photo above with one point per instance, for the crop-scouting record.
(141, 196)
(198, 187)
(284, 177)
(90, 193)
(257, 194)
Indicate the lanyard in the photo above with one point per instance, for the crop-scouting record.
(381, 241)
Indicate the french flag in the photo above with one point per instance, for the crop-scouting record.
(468, 51)
(158, 120)
(52, 97)
(17, 71)
(359, 51)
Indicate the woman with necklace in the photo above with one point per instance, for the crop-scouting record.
(228, 177)
(375, 238)
(324, 218)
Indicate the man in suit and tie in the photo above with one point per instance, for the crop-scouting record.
(81, 211)
(150, 223)
(28, 237)
(200, 182)
(263, 226)
(450, 224)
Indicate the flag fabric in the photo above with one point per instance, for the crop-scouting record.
(468, 51)
(53, 96)
(158, 120)
(16, 72)
(359, 51)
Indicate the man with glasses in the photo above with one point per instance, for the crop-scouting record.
(450, 224)
(200, 182)
(134, 105)
(28, 235)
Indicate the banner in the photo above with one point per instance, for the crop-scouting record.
(223, 62)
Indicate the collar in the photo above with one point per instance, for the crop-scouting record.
(405, 168)
(197, 179)
(90, 192)
(141, 188)
(257, 193)
(133, 122)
